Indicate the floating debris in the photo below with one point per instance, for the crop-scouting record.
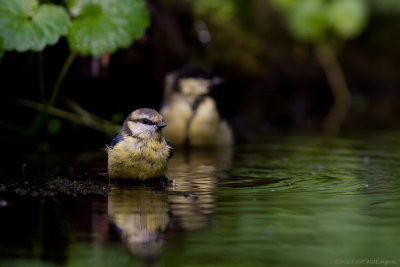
(58, 186)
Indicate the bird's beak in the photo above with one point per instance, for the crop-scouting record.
(161, 124)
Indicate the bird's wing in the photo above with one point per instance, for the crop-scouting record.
(117, 139)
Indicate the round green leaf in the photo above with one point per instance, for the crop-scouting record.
(107, 25)
(348, 17)
(307, 20)
(26, 25)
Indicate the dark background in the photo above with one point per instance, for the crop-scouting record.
(273, 84)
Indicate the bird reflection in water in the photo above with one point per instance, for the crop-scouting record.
(142, 213)
(192, 200)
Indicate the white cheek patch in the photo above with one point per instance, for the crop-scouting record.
(131, 125)
(140, 129)
(135, 128)
(194, 86)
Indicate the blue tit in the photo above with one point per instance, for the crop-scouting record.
(193, 115)
(140, 151)
(141, 215)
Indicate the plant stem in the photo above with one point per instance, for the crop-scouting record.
(80, 117)
(337, 82)
(61, 77)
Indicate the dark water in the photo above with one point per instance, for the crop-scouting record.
(287, 201)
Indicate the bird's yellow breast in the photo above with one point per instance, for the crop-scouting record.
(137, 159)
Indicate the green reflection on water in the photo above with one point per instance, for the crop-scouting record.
(302, 201)
(287, 201)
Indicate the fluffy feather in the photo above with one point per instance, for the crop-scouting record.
(193, 116)
(140, 151)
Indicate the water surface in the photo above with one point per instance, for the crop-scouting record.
(281, 201)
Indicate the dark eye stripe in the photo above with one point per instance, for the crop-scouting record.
(144, 121)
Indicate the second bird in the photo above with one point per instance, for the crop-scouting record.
(191, 113)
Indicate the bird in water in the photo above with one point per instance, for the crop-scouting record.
(140, 150)
(191, 112)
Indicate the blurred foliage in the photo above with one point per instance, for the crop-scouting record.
(306, 19)
(348, 17)
(92, 28)
(225, 22)
(53, 126)
(96, 27)
(251, 27)
(249, 34)
(324, 23)
(314, 20)
(27, 25)
(222, 11)
(263, 46)
(106, 26)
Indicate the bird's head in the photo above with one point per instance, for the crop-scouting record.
(143, 123)
(194, 86)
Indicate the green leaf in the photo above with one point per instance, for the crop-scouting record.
(307, 20)
(348, 17)
(107, 25)
(26, 25)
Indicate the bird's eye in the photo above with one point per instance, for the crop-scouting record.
(146, 121)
